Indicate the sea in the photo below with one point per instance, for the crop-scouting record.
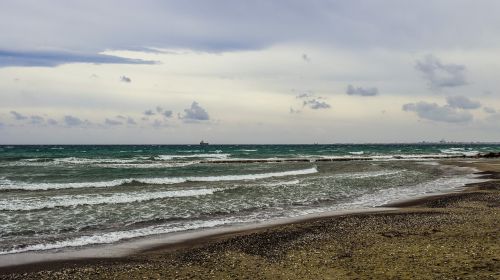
(63, 197)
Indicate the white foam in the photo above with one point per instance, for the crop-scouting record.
(357, 153)
(213, 156)
(403, 193)
(75, 160)
(368, 200)
(367, 174)
(111, 237)
(147, 165)
(26, 204)
(254, 176)
(13, 185)
(7, 184)
(459, 151)
(138, 162)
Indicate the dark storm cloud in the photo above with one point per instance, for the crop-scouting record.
(92, 26)
(361, 91)
(440, 75)
(462, 102)
(435, 112)
(18, 116)
(50, 59)
(195, 113)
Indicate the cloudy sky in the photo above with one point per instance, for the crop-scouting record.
(265, 71)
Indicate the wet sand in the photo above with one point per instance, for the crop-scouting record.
(449, 236)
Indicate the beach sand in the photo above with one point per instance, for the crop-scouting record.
(449, 236)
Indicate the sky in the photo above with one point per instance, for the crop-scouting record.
(249, 72)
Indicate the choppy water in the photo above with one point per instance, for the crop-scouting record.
(54, 197)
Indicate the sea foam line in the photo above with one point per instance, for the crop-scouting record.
(440, 185)
(368, 174)
(11, 185)
(111, 237)
(27, 204)
(216, 155)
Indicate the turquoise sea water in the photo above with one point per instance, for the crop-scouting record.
(54, 197)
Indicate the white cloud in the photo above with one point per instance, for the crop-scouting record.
(18, 116)
(462, 102)
(111, 122)
(195, 113)
(125, 79)
(149, 112)
(441, 75)
(435, 112)
(361, 91)
(73, 121)
(316, 104)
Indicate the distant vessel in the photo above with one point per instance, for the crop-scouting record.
(203, 143)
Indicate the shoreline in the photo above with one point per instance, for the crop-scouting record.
(199, 241)
(139, 245)
(136, 245)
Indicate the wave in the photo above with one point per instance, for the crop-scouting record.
(368, 174)
(390, 195)
(377, 198)
(206, 156)
(326, 158)
(12, 185)
(28, 204)
(111, 237)
(75, 160)
(138, 162)
(459, 151)
(169, 161)
(147, 165)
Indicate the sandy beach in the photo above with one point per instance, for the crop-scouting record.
(270, 139)
(449, 236)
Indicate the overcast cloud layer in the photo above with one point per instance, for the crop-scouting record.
(249, 71)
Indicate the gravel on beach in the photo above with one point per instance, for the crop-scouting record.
(452, 236)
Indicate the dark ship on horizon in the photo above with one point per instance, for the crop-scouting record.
(203, 143)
